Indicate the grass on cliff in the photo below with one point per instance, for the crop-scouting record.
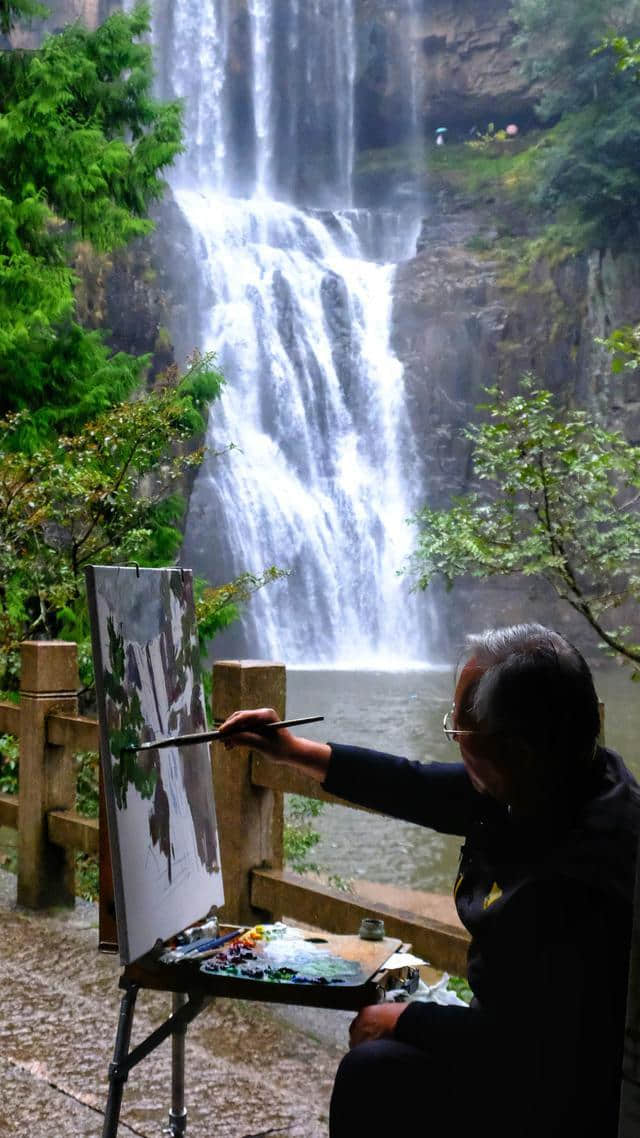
(507, 177)
(505, 167)
(508, 165)
(504, 175)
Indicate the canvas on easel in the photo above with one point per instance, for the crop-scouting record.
(163, 833)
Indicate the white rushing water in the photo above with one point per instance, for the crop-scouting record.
(299, 315)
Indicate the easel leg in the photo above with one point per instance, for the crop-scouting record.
(121, 1050)
(178, 1114)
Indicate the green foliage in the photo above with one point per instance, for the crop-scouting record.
(510, 166)
(626, 52)
(591, 163)
(479, 243)
(580, 60)
(9, 749)
(80, 129)
(78, 500)
(624, 345)
(87, 804)
(217, 607)
(82, 148)
(86, 764)
(518, 256)
(299, 836)
(485, 140)
(558, 44)
(558, 499)
(460, 986)
(87, 877)
(300, 839)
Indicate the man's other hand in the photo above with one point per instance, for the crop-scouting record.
(378, 1021)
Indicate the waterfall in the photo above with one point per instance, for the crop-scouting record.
(293, 290)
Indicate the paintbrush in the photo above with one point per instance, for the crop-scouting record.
(197, 947)
(209, 736)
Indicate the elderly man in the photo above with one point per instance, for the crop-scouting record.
(550, 822)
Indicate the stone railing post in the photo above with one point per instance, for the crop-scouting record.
(250, 818)
(48, 680)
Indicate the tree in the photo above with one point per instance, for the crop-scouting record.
(558, 500)
(559, 45)
(626, 53)
(105, 495)
(590, 165)
(82, 148)
(624, 346)
(589, 162)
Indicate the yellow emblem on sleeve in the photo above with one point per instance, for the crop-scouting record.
(494, 895)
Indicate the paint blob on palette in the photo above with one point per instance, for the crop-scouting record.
(282, 955)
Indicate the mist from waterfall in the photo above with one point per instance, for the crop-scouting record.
(293, 291)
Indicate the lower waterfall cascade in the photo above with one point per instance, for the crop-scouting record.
(292, 287)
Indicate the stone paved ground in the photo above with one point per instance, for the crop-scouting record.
(249, 1072)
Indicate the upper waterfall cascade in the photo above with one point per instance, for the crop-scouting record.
(292, 286)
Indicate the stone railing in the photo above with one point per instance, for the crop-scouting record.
(249, 790)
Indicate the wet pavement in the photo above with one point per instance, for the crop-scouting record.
(251, 1070)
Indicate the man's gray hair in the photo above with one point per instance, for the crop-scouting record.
(536, 688)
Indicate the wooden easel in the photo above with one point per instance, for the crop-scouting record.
(124, 618)
(192, 992)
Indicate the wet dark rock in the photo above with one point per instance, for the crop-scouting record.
(335, 307)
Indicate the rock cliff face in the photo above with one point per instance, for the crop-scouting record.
(461, 323)
(467, 73)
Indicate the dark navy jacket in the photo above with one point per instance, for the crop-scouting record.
(549, 909)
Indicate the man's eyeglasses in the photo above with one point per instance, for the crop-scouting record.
(453, 733)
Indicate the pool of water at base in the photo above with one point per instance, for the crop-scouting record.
(402, 712)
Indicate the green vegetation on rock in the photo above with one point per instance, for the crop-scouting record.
(82, 149)
(585, 69)
(558, 44)
(557, 499)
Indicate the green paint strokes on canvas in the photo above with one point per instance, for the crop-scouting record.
(128, 723)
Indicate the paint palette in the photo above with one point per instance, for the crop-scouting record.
(277, 964)
(278, 954)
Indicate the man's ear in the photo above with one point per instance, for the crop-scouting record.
(487, 748)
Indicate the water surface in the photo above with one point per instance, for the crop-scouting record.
(402, 712)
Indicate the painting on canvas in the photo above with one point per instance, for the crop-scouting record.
(162, 824)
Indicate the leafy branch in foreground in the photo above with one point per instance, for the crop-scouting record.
(218, 606)
(559, 499)
(106, 494)
(299, 835)
(626, 52)
(624, 346)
